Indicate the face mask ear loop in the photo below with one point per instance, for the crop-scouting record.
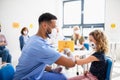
(47, 35)
(92, 44)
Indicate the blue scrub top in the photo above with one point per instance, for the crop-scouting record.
(36, 54)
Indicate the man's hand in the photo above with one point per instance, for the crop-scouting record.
(48, 68)
(57, 70)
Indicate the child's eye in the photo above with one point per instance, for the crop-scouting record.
(90, 40)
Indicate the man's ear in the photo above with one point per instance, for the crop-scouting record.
(44, 24)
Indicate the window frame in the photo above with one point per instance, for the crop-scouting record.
(82, 25)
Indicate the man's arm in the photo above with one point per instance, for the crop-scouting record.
(64, 61)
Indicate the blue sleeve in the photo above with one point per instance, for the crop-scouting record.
(40, 51)
(50, 55)
(21, 42)
(44, 53)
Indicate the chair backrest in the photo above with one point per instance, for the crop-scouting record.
(109, 68)
(7, 72)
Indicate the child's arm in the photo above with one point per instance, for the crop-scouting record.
(85, 60)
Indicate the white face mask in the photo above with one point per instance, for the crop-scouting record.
(54, 32)
(77, 32)
(50, 34)
(92, 45)
(25, 32)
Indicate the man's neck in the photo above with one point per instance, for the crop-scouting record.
(41, 34)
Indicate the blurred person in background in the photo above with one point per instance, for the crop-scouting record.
(4, 52)
(23, 37)
(77, 38)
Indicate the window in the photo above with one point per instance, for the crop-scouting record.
(72, 12)
(94, 11)
(87, 14)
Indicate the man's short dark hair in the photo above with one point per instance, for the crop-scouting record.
(46, 17)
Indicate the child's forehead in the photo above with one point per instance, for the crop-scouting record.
(91, 38)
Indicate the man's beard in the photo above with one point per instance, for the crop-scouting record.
(48, 33)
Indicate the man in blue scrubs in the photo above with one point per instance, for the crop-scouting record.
(37, 54)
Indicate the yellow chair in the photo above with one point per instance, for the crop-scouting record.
(65, 44)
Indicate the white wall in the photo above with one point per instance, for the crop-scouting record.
(112, 15)
(25, 12)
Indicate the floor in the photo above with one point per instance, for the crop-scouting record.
(116, 71)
